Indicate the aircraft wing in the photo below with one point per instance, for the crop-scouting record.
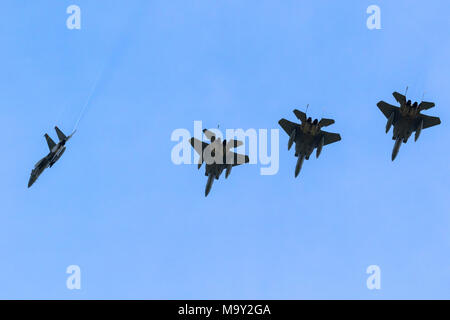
(288, 126)
(50, 142)
(198, 145)
(238, 159)
(399, 97)
(387, 109)
(429, 121)
(330, 137)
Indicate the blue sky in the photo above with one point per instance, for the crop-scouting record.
(140, 227)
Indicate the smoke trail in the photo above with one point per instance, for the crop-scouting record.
(117, 52)
(89, 98)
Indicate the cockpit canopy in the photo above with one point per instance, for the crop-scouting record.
(38, 163)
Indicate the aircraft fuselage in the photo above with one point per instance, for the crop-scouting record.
(47, 162)
(305, 144)
(212, 171)
(57, 153)
(407, 122)
(404, 127)
(43, 164)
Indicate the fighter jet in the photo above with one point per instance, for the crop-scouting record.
(406, 119)
(307, 136)
(218, 157)
(56, 151)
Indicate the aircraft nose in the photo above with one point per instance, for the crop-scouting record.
(31, 181)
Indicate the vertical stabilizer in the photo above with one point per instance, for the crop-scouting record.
(60, 134)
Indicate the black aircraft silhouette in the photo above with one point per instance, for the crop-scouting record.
(217, 156)
(307, 136)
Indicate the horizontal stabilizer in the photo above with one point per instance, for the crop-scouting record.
(199, 146)
(300, 115)
(325, 122)
(209, 134)
(426, 105)
(399, 97)
(234, 144)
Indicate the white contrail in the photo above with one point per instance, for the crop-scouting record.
(94, 87)
(109, 62)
